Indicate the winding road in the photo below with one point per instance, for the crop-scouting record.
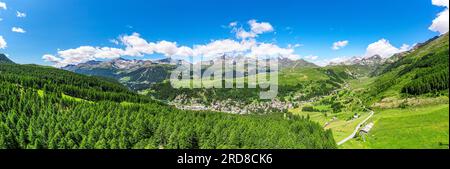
(356, 130)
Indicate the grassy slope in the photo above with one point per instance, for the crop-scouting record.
(298, 75)
(418, 127)
(342, 126)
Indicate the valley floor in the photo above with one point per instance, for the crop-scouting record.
(339, 123)
(410, 128)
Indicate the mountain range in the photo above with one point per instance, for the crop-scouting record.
(140, 74)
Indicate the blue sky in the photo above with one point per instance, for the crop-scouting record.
(52, 25)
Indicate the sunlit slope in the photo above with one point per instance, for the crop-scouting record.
(417, 128)
(421, 72)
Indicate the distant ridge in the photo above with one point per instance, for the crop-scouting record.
(286, 63)
(4, 59)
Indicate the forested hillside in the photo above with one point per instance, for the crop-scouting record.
(4, 59)
(423, 71)
(43, 107)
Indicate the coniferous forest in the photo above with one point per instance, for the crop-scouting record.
(47, 108)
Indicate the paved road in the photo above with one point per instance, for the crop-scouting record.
(356, 130)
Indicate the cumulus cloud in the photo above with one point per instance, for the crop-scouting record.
(220, 47)
(440, 23)
(243, 34)
(339, 44)
(135, 45)
(384, 49)
(256, 28)
(260, 28)
(83, 54)
(3, 6)
(3, 43)
(166, 48)
(273, 51)
(18, 30)
(184, 51)
(51, 58)
(21, 14)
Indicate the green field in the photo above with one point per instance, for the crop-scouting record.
(410, 128)
(298, 75)
(342, 126)
(289, 77)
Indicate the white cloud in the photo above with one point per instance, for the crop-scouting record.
(339, 59)
(294, 45)
(339, 44)
(90, 53)
(18, 30)
(3, 6)
(21, 14)
(108, 53)
(272, 50)
(256, 28)
(325, 62)
(3, 43)
(443, 3)
(297, 45)
(311, 57)
(232, 24)
(384, 49)
(440, 23)
(51, 58)
(184, 51)
(83, 54)
(136, 46)
(220, 47)
(242, 34)
(166, 48)
(405, 47)
(260, 28)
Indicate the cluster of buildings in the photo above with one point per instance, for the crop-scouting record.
(232, 106)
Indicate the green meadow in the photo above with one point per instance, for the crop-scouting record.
(410, 128)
